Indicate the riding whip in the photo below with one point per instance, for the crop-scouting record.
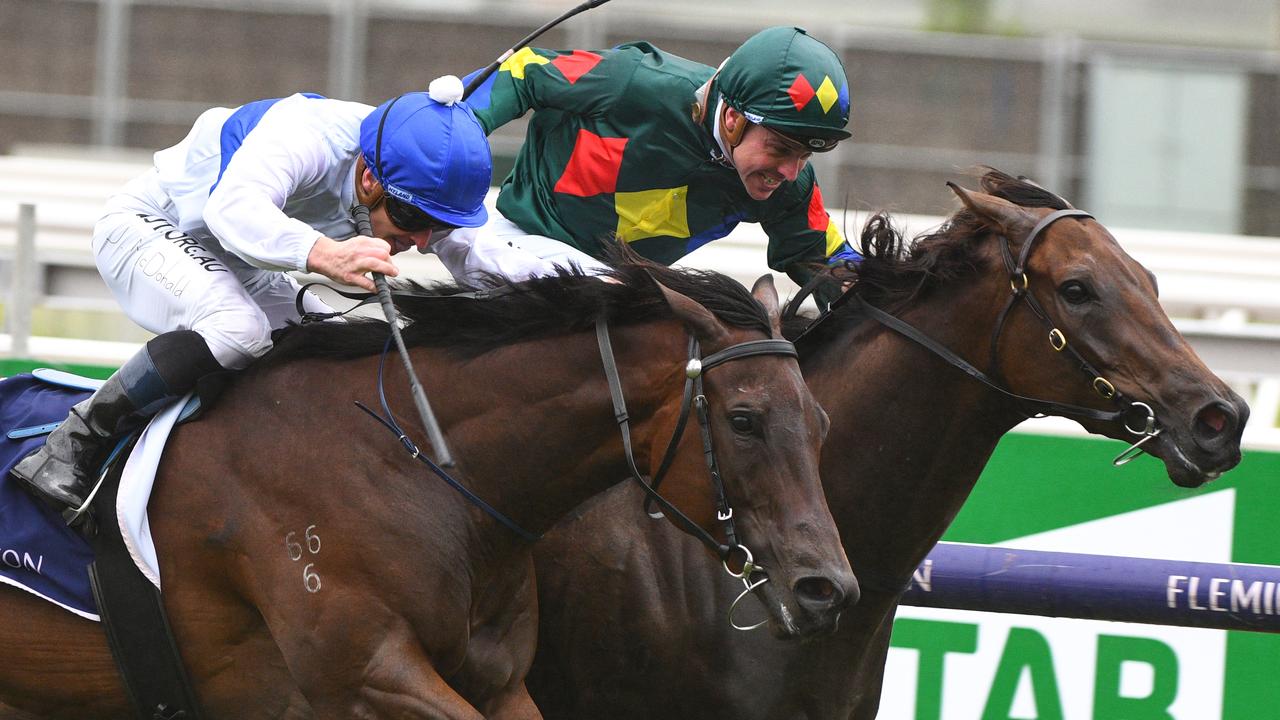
(483, 75)
(360, 213)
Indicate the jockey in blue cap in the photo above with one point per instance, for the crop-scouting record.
(196, 249)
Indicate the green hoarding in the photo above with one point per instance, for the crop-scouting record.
(13, 366)
(1062, 493)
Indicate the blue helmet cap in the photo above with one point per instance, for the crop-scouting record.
(431, 155)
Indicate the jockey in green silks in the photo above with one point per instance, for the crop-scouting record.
(662, 153)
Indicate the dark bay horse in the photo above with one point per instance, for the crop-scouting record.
(313, 568)
(633, 634)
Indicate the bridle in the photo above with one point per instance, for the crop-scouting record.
(694, 399)
(1137, 417)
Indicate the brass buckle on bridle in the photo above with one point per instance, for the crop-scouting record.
(1057, 340)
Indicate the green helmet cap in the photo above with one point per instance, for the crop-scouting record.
(784, 79)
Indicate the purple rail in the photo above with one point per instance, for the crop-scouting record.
(1225, 596)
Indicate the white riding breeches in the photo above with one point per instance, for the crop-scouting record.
(500, 247)
(166, 279)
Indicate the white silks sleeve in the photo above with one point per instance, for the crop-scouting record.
(245, 211)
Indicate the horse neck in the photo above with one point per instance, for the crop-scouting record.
(909, 433)
(535, 431)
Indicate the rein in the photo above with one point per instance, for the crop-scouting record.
(390, 423)
(1043, 407)
(1130, 413)
(365, 298)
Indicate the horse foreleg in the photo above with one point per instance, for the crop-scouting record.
(414, 691)
(424, 696)
(869, 677)
(390, 677)
(513, 704)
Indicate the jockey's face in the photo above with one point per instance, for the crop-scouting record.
(385, 228)
(398, 239)
(764, 159)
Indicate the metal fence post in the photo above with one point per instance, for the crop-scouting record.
(110, 111)
(348, 41)
(1058, 99)
(22, 273)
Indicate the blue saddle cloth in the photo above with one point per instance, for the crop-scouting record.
(38, 553)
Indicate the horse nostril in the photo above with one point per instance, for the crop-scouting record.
(1212, 421)
(818, 593)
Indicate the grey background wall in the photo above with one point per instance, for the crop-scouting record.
(938, 86)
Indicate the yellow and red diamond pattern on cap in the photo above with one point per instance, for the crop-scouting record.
(801, 92)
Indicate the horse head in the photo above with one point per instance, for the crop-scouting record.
(768, 430)
(1082, 324)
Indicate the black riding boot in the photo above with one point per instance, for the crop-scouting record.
(61, 472)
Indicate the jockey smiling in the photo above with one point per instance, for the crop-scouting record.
(662, 153)
(196, 248)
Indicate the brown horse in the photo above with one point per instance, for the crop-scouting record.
(313, 568)
(634, 634)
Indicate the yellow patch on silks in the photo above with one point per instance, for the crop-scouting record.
(834, 239)
(662, 212)
(516, 63)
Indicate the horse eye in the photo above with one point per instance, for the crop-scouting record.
(741, 422)
(1074, 292)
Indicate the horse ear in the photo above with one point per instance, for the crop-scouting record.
(1013, 221)
(709, 331)
(766, 294)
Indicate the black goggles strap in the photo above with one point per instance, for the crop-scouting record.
(377, 150)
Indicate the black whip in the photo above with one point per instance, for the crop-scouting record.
(483, 75)
(360, 213)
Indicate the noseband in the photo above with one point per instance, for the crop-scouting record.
(1137, 417)
(694, 397)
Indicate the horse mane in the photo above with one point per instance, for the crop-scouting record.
(568, 302)
(894, 273)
